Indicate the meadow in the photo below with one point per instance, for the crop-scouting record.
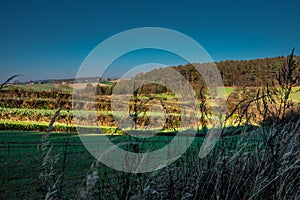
(19, 158)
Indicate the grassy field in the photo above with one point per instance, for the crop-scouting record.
(41, 87)
(18, 154)
(19, 161)
(108, 83)
(295, 94)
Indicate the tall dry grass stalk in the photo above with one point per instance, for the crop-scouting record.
(90, 190)
(48, 179)
(7, 81)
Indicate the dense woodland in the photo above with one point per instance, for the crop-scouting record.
(242, 73)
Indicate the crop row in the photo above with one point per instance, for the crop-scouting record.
(53, 94)
(35, 103)
(47, 112)
(63, 113)
(34, 126)
(52, 104)
(103, 118)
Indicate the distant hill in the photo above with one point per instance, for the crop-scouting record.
(236, 73)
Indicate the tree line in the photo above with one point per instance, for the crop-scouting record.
(234, 73)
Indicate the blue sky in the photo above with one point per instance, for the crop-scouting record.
(50, 39)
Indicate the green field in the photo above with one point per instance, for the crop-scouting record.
(295, 95)
(40, 87)
(19, 162)
(108, 83)
(19, 154)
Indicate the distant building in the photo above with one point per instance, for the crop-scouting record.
(16, 82)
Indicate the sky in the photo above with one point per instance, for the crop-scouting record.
(50, 39)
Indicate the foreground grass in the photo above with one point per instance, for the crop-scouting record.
(19, 150)
(244, 166)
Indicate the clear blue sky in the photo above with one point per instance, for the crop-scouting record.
(50, 39)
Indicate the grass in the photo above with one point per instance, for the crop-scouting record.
(18, 158)
(42, 126)
(295, 94)
(18, 154)
(228, 90)
(109, 83)
(233, 156)
(40, 87)
(59, 137)
(47, 112)
(18, 151)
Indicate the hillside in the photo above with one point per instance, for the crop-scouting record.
(240, 73)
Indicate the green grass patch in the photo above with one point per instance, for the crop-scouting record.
(295, 95)
(18, 154)
(109, 83)
(43, 126)
(40, 87)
